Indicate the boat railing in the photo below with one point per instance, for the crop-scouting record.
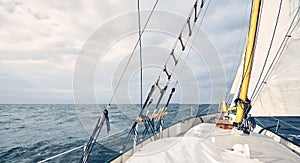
(287, 143)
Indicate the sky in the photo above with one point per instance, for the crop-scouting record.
(43, 43)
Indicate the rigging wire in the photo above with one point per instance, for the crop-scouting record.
(278, 54)
(292, 126)
(132, 52)
(192, 28)
(186, 41)
(173, 49)
(255, 92)
(276, 59)
(180, 33)
(259, 122)
(236, 53)
(79, 147)
(141, 59)
(281, 121)
(181, 69)
(104, 116)
(164, 70)
(269, 50)
(190, 47)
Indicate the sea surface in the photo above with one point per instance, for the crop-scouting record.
(34, 132)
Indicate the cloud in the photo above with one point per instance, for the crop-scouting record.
(41, 41)
(226, 24)
(31, 81)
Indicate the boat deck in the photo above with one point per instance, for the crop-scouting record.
(208, 143)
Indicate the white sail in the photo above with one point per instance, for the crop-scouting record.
(279, 93)
(236, 82)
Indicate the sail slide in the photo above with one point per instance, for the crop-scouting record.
(274, 88)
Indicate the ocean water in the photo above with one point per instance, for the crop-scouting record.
(31, 133)
(289, 127)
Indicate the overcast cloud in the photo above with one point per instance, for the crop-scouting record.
(40, 42)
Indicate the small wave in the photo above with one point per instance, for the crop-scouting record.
(6, 115)
(294, 136)
(17, 119)
(15, 152)
(72, 119)
(22, 126)
(35, 152)
(6, 128)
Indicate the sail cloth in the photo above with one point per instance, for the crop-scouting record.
(236, 82)
(279, 93)
(194, 146)
(207, 143)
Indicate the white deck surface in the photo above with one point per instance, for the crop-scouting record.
(207, 143)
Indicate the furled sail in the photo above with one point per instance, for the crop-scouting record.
(275, 84)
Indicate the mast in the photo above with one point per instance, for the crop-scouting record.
(248, 62)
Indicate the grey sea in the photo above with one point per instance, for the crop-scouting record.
(34, 132)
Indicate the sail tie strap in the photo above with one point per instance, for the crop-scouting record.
(181, 42)
(164, 110)
(173, 56)
(167, 73)
(195, 8)
(148, 98)
(189, 25)
(162, 92)
(170, 96)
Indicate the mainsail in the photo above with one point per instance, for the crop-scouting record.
(274, 88)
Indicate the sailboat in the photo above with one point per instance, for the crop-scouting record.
(266, 85)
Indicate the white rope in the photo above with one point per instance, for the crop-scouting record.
(71, 150)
